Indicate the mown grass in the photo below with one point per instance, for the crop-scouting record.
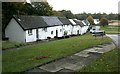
(23, 59)
(108, 62)
(111, 29)
(9, 45)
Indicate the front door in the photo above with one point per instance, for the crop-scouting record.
(56, 33)
(78, 32)
(37, 34)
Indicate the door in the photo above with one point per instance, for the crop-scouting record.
(78, 32)
(37, 34)
(56, 33)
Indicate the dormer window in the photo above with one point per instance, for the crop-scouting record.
(30, 32)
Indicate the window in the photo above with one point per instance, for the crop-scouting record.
(60, 30)
(51, 32)
(45, 29)
(30, 32)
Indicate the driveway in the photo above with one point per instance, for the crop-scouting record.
(115, 38)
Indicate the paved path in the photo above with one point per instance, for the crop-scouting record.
(116, 39)
(76, 61)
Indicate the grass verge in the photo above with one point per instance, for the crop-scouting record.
(9, 45)
(111, 29)
(25, 58)
(108, 62)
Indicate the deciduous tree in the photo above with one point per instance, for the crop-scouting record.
(90, 19)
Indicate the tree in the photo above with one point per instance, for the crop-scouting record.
(42, 9)
(103, 21)
(81, 16)
(90, 19)
(68, 14)
(58, 13)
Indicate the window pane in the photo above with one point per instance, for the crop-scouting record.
(51, 32)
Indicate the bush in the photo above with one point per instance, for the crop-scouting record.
(103, 21)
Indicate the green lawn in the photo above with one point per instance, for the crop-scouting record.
(111, 29)
(108, 62)
(25, 58)
(7, 44)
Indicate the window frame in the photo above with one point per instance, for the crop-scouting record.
(51, 32)
(60, 30)
(30, 32)
(44, 29)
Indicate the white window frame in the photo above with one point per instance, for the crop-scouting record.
(60, 30)
(51, 32)
(45, 29)
(30, 32)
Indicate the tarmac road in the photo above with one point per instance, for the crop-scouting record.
(115, 38)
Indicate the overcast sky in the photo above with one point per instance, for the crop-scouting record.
(88, 6)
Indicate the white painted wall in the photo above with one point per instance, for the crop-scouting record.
(54, 28)
(83, 30)
(76, 28)
(67, 28)
(15, 32)
(31, 38)
(44, 34)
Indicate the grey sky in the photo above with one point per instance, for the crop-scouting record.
(89, 6)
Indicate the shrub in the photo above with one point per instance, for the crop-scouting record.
(103, 21)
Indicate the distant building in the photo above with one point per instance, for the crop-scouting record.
(96, 21)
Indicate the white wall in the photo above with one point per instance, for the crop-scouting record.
(67, 28)
(15, 32)
(54, 28)
(44, 34)
(31, 38)
(76, 28)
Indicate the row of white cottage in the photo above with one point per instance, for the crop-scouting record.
(32, 28)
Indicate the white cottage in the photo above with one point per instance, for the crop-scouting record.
(24, 28)
(66, 27)
(76, 29)
(83, 27)
(86, 25)
(54, 28)
(33, 28)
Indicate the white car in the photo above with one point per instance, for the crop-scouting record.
(93, 30)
